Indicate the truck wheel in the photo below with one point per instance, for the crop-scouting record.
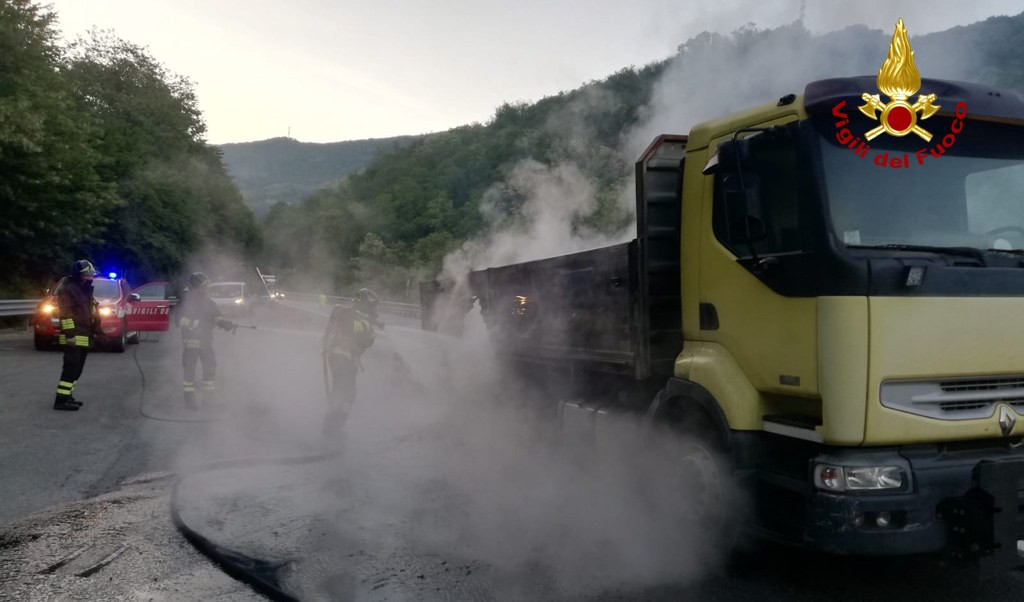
(42, 343)
(709, 500)
(699, 474)
(121, 341)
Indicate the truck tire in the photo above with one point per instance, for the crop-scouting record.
(704, 474)
(41, 343)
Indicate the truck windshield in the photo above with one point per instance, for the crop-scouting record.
(900, 194)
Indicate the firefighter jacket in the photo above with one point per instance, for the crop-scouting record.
(197, 316)
(348, 334)
(79, 312)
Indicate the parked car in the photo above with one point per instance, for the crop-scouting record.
(233, 298)
(123, 313)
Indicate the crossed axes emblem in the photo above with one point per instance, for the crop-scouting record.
(905, 111)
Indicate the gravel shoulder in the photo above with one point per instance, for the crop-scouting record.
(118, 546)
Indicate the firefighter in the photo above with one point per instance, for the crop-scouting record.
(198, 316)
(79, 317)
(347, 336)
(366, 304)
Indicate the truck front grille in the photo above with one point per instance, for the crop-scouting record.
(962, 406)
(966, 398)
(984, 384)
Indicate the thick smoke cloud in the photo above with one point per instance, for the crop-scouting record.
(450, 456)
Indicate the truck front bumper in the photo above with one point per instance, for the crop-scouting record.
(966, 502)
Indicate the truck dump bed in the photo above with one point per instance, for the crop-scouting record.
(574, 308)
(615, 309)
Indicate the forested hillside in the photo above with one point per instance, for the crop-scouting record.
(284, 170)
(102, 155)
(555, 176)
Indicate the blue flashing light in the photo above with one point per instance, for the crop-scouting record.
(112, 275)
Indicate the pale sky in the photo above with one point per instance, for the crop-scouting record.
(344, 70)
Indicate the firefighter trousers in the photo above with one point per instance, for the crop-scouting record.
(198, 350)
(343, 390)
(75, 352)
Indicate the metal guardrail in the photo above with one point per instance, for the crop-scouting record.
(27, 307)
(393, 308)
(407, 310)
(17, 307)
(315, 298)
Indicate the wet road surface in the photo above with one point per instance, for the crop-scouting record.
(436, 492)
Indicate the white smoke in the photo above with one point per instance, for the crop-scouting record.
(542, 225)
(449, 456)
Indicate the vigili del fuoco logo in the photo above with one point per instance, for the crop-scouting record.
(898, 79)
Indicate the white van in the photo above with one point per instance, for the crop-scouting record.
(233, 298)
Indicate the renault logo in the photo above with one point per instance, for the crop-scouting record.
(1006, 420)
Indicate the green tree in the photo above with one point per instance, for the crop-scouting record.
(53, 198)
(176, 194)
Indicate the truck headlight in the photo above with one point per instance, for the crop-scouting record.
(106, 311)
(47, 308)
(239, 301)
(857, 478)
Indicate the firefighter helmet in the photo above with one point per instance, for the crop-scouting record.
(365, 295)
(83, 267)
(198, 280)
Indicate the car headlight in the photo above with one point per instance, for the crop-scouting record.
(47, 308)
(857, 478)
(106, 311)
(239, 301)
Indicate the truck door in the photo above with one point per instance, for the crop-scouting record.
(758, 267)
(151, 312)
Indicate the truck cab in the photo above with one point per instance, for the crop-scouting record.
(839, 317)
(865, 302)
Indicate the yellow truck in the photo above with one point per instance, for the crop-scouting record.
(841, 319)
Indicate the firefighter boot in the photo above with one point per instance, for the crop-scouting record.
(62, 400)
(332, 422)
(64, 404)
(209, 393)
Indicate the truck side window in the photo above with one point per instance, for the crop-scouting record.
(772, 171)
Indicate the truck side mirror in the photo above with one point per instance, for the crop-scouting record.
(730, 156)
(753, 229)
(134, 297)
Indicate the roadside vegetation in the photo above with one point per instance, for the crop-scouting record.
(102, 155)
(392, 223)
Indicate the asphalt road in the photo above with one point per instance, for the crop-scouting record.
(50, 457)
(442, 488)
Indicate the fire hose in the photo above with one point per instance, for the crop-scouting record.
(261, 575)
